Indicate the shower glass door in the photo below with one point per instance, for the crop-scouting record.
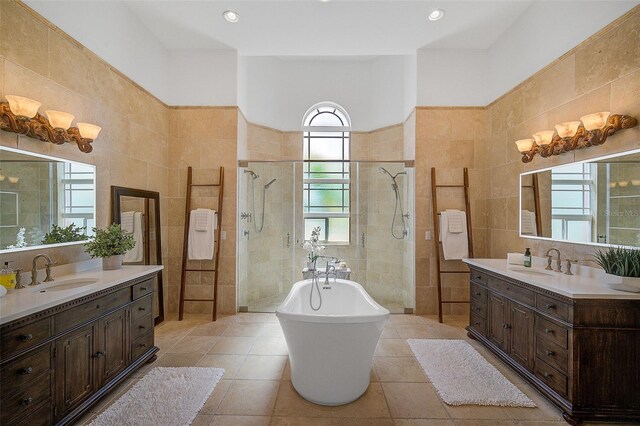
(380, 247)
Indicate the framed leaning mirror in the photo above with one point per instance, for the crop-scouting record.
(594, 202)
(138, 212)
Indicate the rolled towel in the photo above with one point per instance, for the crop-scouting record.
(456, 221)
(515, 259)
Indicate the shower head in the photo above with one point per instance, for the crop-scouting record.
(253, 175)
(269, 184)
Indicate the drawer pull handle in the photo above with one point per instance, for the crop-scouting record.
(97, 306)
(477, 323)
(548, 330)
(143, 289)
(547, 375)
(550, 306)
(26, 401)
(141, 309)
(142, 327)
(478, 277)
(25, 337)
(99, 354)
(143, 345)
(508, 288)
(477, 308)
(506, 326)
(478, 294)
(550, 353)
(25, 371)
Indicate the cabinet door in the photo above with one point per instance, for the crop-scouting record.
(74, 375)
(497, 330)
(522, 330)
(113, 353)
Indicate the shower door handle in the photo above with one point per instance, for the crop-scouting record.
(362, 239)
(288, 239)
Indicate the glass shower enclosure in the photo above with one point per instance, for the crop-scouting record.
(375, 237)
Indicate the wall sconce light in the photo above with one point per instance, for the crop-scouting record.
(20, 115)
(591, 130)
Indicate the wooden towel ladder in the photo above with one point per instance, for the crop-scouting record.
(185, 246)
(436, 232)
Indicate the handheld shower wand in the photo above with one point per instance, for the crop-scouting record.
(394, 186)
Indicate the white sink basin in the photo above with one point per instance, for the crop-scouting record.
(64, 284)
(531, 271)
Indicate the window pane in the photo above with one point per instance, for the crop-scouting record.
(309, 224)
(326, 118)
(339, 229)
(326, 149)
(579, 231)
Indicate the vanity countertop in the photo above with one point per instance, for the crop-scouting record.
(19, 303)
(589, 283)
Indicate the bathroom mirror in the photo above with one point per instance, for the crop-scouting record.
(596, 201)
(138, 212)
(39, 195)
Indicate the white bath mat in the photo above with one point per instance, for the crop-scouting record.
(463, 377)
(165, 396)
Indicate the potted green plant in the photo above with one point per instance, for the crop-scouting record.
(110, 244)
(65, 235)
(622, 265)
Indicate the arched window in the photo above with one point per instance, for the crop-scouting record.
(326, 130)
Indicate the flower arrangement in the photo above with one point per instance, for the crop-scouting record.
(313, 246)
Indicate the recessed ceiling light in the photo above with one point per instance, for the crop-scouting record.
(231, 16)
(436, 15)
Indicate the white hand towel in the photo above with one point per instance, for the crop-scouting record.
(201, 243)
(456, 219)
(126, 222)
(136, 253)
(202, 220)
(528, 221)
(454, 246)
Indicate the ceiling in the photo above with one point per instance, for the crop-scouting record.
(329, 28)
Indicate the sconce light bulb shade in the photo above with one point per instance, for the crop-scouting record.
(524, 145)
(89, 131)
(59, 119)
(635, 182)
(623, 184)
(23, 107)
(595, 121)
(13, 179)
(544, 137)
(568, 129)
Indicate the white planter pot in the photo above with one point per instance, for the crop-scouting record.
(112, 262)
(624, 283)
(311, 266)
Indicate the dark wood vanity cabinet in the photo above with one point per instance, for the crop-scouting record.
(582, 354)
(57, 363)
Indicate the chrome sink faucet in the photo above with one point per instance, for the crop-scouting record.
(34, 269)
(558, 261)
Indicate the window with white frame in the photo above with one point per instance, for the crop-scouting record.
(77, 195)
(326, 181)
(572, 194)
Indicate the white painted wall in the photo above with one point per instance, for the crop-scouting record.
(276, 92)
(114, 33)
(544, 32)
(452, 77)
(203, 77)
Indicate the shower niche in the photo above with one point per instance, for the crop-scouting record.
(375, 236)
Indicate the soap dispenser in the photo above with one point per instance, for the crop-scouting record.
(527, 258)
(7, 276)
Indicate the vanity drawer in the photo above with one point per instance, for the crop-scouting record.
(479, 309)
(478, 293)
(141, 345)
(21, 402)
(552, 377)
(478, 323)
(478, 276)
(552, 354)
(548, 330)
(40, 417)
(14, 341)
(90, 310)
(512, 291)
(24, 369)
(141, 326)
(552, 307)
(141, 307)
(142, 289)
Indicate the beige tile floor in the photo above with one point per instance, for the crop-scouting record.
(256, 387)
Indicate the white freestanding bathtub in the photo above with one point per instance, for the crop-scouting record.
(331, 349)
